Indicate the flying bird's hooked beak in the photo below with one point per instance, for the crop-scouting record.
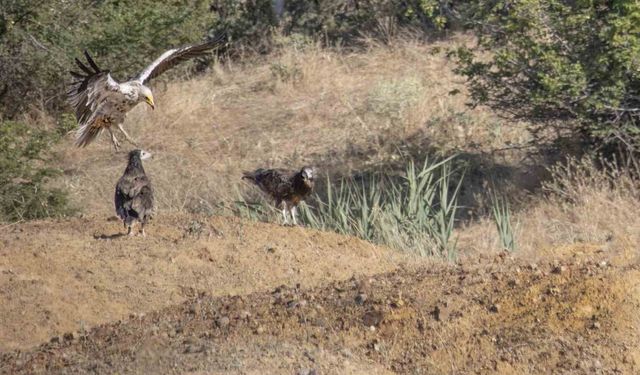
(149, 100)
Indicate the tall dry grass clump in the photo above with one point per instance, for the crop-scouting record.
(340, 111)
(352, 115)
(584, 202)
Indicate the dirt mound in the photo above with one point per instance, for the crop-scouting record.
(577, 315)
(69, 275)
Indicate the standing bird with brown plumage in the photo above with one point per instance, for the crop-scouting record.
(134, 194)
(288, 188)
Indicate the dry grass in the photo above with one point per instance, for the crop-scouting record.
(343, 112)
(583, 204)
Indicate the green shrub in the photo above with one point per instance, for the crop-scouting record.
(40, 38)
(331, 21)
(567, 64)
(392, 98)
(346, 21)
(24, 193)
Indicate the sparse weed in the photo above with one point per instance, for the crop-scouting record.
(393, 98)
(501, 213)
(416, 212)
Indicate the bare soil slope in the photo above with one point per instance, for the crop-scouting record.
(576, 316)
(69, 275)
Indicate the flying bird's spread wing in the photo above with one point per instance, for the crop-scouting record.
(100, 102)
(175, 56)
(88, 92)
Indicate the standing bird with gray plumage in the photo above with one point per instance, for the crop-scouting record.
(288, 188)
(134, 194)
(100, 102)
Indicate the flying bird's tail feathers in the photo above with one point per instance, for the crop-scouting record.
(86, 134)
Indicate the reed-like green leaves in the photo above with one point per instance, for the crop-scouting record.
(415, 212)
(502, 217)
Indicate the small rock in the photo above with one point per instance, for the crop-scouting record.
(421, 325)
(602, 264)
(55, 340)
(553, 291)
(372, 318)
(559, 269)
(244, 315)
(320, 322)
(293, 304)
(194, 309)
(494, 308)
(361, 298)
(307, 371)
(194, 348)
(437, 313)
(595, 325)
(397, 303)
(222, 322)
(259, 330)
(69, 336)
(346, 353)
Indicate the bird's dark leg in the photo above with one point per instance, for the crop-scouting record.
(130, 231)
(114, 140)
(126, 136)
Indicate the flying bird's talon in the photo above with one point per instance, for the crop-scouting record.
(116, 146)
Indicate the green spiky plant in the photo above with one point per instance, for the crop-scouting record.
(416, 213)
(501, 213)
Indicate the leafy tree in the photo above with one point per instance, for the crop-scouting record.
(24, 193)
(40, 38)
(573, 64)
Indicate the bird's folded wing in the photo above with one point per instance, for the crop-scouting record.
(143, 201)
(174, 56)
(130, 187)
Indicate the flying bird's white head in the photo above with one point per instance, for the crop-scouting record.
(146, 95)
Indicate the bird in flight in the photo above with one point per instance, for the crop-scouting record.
(288, 188)
(100, 102)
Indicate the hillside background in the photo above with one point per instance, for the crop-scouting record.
(475, 208)
(362, 90)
